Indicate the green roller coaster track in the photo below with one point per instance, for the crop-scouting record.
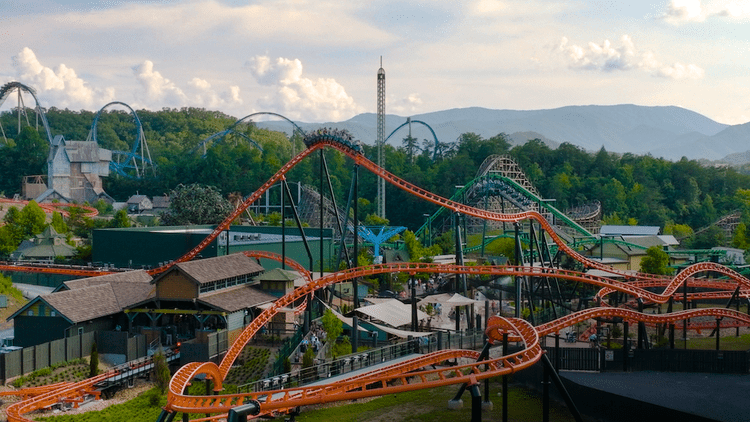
(494, 176)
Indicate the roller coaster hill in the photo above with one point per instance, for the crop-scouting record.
(621, 297)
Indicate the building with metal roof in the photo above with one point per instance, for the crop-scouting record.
(629, 230)
(150, 247)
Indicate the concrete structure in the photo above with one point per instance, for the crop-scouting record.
(74, 172)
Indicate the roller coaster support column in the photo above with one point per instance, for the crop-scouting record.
(342, 230)
(414, 316)
(545, 392)
(641, 326)
(718, 332)
(561, 388)
(283, 226)
(684, 307)
(295, 214)
(459, 261)
(737, 329)
(487, 404)
(355, 287)
(625, 346)
(321, 211)
(476, 403)
(519, 259)
(484, 226)
(505, 380)
(671, 324)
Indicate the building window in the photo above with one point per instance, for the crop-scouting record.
(30, 313)
(52, 313)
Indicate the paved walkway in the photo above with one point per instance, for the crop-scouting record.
(719, 397)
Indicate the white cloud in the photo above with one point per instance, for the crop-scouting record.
(161, 92)
(679, 11)
(299, 97)
(405, 106)
(606, 57)
(683, 11)
(158, 89)
(61, 87)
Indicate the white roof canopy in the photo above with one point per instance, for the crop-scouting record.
(448, 299)
(391, 312)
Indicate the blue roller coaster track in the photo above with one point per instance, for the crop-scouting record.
(434, 136)
(10, 87)
(217, 137)
(127, 162)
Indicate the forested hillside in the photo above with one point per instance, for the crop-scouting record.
(632, 189)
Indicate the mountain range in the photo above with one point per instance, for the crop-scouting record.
(668, 132)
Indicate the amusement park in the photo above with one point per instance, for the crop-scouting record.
(252, 273)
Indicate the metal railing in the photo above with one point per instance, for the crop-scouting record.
(345, 364)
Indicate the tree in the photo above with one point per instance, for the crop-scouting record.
(161, 371)
(93, 361)
(196, 204)
(655, 261)
(332, 325)
(410, 147)
(739, 240)
(504, 246)
(58, 223)
(121, 220)
(32, 219)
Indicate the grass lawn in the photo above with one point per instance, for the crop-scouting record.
(432, 405)
(727, 342)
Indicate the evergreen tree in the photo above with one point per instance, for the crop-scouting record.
(93, 361)
(162, 375)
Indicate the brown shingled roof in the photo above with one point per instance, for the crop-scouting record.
(136, 276)
(237, 298)
(84, 304)
(218, 268)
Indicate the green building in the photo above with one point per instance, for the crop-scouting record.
(149, 247)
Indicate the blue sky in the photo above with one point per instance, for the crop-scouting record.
(317, 60)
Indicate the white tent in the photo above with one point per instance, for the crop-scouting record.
(391, 312)
(449, 300)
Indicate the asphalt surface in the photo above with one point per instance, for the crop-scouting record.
(719, 397)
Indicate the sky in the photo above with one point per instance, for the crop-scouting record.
(317, 61)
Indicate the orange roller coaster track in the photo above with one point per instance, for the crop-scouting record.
(410, 375)
(50, 207)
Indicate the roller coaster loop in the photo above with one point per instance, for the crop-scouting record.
(434, 136)
(6, 90)
(131, 157)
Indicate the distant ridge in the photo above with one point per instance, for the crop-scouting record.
(665, 131)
